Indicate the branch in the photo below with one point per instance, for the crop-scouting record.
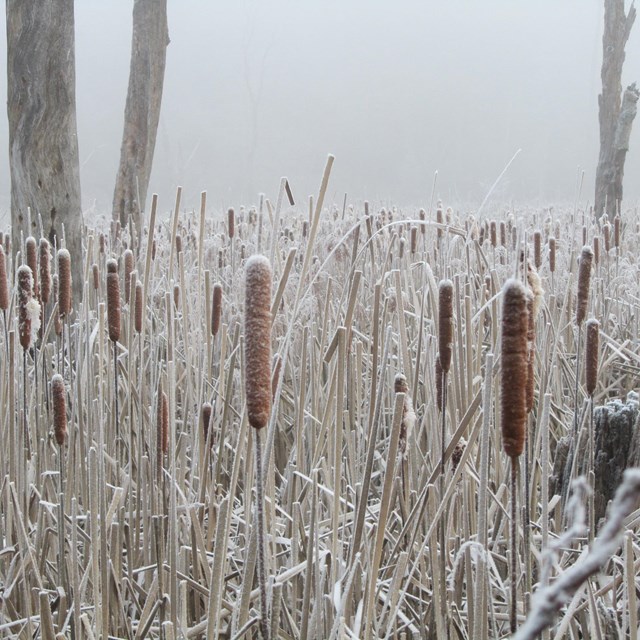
(549, 600)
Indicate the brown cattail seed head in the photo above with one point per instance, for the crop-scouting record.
(537, 249)
(439, 220)
(616, 231)
(138, 308)
(257, 340)
(552, 254)
(413, 235)
(96, 276)
(231, 223)
(591, 363)
(176, 295)
(205, 416)
(492, 233)
(58, 395)
(584, 279)
(596, 249)
(28, 308)
(57, 322)
(216, 309)
(445, 323)
(178, 243)
(113, 300)
(162, 424)
(64, 274)
(4, 286)
(128, 268)
(45, 270)
(514, 367)
(606, 234)
(31, 249)
(423, 216)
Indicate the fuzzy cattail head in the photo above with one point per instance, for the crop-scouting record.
(162, 426)
(584, 280)
(257, 340)
(137, 323)
(537, 249)
(205, 415)
(28, 308)
(596, 249)
(45, 270)
(113, 300)
(606, 235)
(57, 321)
(58, 395)
(591, 359)
(216, 309)
(514, 367)
(64, 291)
(4, 287)
(128, 268)
(445, 323)
(492, 233)
(231, 223)
(552, 254)
(31, 250)
(616, 231)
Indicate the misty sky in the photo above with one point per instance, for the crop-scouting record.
(258, 90)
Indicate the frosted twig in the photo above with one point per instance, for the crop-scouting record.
(549, 600)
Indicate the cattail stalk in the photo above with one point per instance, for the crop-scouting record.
(257, 346)
(513, 402)
(114, 322)
(58, 395)
(591, 375)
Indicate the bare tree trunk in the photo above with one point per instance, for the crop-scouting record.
(615, 122)
(43, 140)
(142, 111)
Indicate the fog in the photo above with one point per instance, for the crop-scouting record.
(395, 90)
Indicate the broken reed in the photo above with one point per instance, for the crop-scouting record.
(513, 403)
(257, 383)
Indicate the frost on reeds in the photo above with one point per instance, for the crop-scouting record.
(584, 280)
(4, 288)
(28, 308)
(408, 414)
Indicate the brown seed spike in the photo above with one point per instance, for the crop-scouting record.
(59, 409)
(128, 268)
(64, 291)
(514, 367)
(45, 270)
(4, 287)
(113, 300)
(231, 223)
(591, 359)
(445, 323)
(216, 309)
(31, 249)
(205, 415)
(537, 249)
(25, 296)
(584, 279)
(552, 254)
(257, 340)
(138, 308)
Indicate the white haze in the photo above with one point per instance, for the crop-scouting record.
(396, 90)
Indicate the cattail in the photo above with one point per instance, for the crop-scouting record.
(492, 233)
(439, 394)
(231, 223)
(216, 309)
(57, 321)
(584, 278)
(205, 416)
(113, 300)
(138, 308)
(408, 415)
(178, 243)
(596, 249)
(514, 367)
(176, 295)
(606, 235)
(101, 243)
(537, 249)
(31, 250)
(414, 239)
(153, 249)
(456, 456)
(58, 395)
(275, 376)
(163, 423)
(4, 287)
(45, 270)
(531, 354)
(552, 254)
(584, 234)
(28, 308)
(257, 340)
(440, 221)
(445, 323)
(423, 216)
(305, 228)
(591, 360)
(503, 234)
(64, 291)
(616, 231)
(128, 268)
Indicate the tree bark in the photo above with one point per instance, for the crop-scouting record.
(142, 110)
(43, 141)
(615, 123)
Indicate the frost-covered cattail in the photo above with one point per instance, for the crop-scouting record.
(113, 300)
(445, 323)
(216, 309)
(514, 367)
(606, 235)
(64, 275)
(596, 249)
(591, 359)
(178, 243)
(57, 321)
(531, 354)
(128, 268)
(95, 272)
(423, 216)
(28, 308)
(413, 235)
(492, 233)
(58, 395)
(439, 220)
(231, 223)
(537, 249)
(176, 296)
(101, 243)
(4, 287)
(408, 415)
(257, 340)
(552, 254)
(503, 233)
(44, 250)
(584, 234)
(162, 425)
(205, 416)
(31, 251)
(584, 280)
(138, 308)
(616, 231)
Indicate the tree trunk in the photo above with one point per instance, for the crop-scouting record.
(142, 110)
(615, 123)
(43, 140)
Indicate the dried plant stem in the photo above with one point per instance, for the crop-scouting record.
(262, 576)
(513, 612)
